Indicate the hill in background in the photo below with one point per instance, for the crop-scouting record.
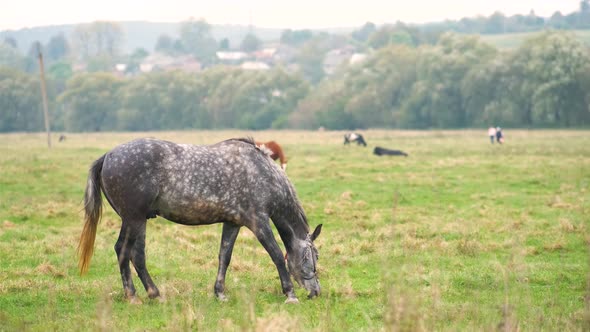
(143, 34)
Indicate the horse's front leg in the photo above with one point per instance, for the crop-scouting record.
(228, 238)
(264, 234)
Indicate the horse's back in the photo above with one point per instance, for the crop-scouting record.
(191, 184)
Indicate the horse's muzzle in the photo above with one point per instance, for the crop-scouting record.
(314, 292)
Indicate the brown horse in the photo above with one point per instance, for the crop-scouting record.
(274, 151)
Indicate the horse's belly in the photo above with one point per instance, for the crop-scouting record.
(197, 212)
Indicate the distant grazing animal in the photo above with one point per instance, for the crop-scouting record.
(275, 151)
(354, 137)
(232, 182)
(62, 138)
(387, 152)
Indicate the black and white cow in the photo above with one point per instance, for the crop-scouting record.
(354, 137)
(387, 152)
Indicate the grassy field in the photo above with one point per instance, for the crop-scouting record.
(460, 235)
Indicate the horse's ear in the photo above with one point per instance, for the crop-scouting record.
(316, 232)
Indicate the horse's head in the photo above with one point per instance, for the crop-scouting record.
(302, 262)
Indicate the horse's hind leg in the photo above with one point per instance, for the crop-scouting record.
(123, 248)
(228, 238)
(131, 247)
(138, 260)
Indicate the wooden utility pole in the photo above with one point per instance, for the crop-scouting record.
(44, 95)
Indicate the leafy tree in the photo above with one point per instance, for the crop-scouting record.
(10, 57)
(197, 39)
(267, 98)
(367, 95)
(134, 60)
(250, 43)
(20, 101)
(558, 21)
(490, 94)
(436, 100)
(584, 15)
(295, 37)
(164, 43)
(362, 34)
(551, 64)
(381, 37)
(325, 107)
(391, 35)
(91, 102)
(167, 45)
(60, 71)
(310, 59)
(97, 39)
(100, 63)
(224, 44)
(57, 47)
(496, 23)
(166, 100)
(401, 37)
(10, 41)
(31, 61)
(222, 83)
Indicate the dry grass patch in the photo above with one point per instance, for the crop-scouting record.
(277, 323)
(48, 269)
(402, 313)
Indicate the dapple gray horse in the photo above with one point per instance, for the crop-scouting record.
(232, 182)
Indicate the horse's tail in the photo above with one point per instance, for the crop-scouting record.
(93, 212)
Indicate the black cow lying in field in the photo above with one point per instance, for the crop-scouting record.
(387, 152)
(354, 137)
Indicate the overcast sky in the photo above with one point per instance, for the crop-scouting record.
(295, 14)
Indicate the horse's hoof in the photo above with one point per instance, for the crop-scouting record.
(134, 300)
(153, 293)
(221, 297)
(292, 300)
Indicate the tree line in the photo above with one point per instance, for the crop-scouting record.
(459, 82)
(414, 77)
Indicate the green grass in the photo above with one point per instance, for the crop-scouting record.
(461, 235)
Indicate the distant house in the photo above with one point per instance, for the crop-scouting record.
(284, 54)
(146, 67)
(186, 63)
(231, 57)
(266, 55)
(120, 67)
(254, 65)
(337, 57)
(79, 67)
(357, 58)
(162, 62)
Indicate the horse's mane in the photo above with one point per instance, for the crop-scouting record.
(247, 139)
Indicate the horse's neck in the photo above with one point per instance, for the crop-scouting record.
(292, 226)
